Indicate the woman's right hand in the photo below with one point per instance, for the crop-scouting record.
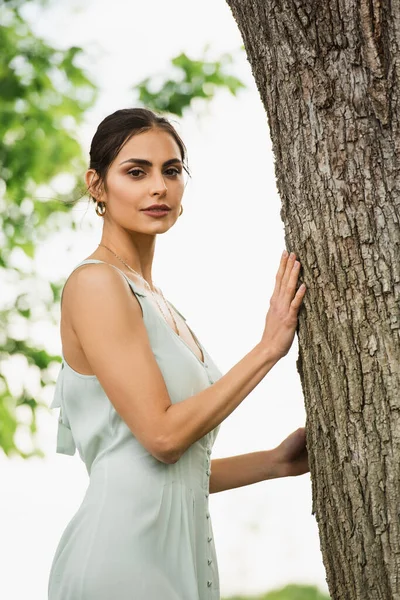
(281, 320)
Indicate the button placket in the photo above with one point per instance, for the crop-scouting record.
(207, 468)
(207, 514)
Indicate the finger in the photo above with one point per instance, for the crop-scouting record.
(298, 299)
(289, 266)
(281, 271)
(290, 288)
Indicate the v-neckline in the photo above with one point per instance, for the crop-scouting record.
(200, 346)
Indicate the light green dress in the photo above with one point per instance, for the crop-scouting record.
(143, 530)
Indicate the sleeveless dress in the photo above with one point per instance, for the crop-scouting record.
(143, 530)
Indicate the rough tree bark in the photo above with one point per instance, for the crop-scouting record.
(328, 74)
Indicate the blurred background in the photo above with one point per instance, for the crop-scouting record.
(65, 66)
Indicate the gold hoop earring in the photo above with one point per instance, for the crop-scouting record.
(181, 210)
(102, 208)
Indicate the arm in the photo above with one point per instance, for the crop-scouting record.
(288, 459)
(244, 469)
(187, 421)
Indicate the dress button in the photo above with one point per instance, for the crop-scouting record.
(209, 583)
(206, 495)
(207, 515)
(209, 561)
(209, 539)
(208, 451)
(207, 472)
(206, 366)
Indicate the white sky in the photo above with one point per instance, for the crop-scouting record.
(217, 265)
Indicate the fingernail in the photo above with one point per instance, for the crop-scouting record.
(284, 254)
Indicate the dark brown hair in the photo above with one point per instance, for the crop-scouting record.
(117, 129)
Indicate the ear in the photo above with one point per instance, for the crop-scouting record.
(93, 184)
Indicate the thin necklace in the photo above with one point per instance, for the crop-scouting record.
(148, 285)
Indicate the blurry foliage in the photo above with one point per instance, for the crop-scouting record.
(289, 592)
(195, 79)
(44, 97)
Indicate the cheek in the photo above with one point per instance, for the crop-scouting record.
(123, 189)
(180, 186)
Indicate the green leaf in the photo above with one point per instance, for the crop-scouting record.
(194, 79)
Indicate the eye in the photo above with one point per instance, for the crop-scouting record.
(135, 171)
(175, 171)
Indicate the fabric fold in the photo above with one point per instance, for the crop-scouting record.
(65, 440)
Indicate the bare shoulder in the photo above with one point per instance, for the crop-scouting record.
(83, 304)
(93, 285)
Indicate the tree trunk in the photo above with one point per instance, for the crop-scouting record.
(328, 75)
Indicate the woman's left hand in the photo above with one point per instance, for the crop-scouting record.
(292, 455)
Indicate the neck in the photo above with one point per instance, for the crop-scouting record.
(127, 261)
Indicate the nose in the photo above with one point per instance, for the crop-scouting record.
(158, 185)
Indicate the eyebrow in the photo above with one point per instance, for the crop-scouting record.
(147, 163)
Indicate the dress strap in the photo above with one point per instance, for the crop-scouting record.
(135, 287)
(65, 440)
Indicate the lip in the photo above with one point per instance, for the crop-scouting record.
(156, 213)
(157, 206)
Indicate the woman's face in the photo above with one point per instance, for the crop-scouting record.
(133, 186)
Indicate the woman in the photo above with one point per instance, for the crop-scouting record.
(139, 395)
